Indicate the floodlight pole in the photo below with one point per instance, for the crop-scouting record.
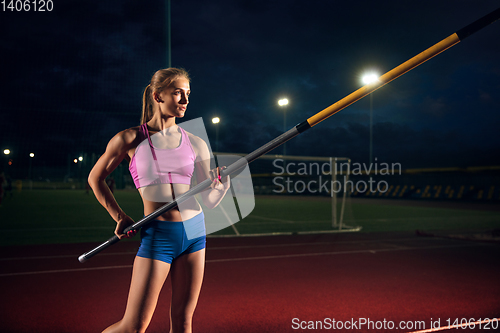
(371, 130)
(283, 104)
(312, 121)
(367, 79)
(169, 37)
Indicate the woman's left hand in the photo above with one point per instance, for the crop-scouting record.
(219, 183)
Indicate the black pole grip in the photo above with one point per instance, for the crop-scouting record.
(84, 257)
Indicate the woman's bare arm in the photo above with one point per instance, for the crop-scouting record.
(212, 197)
(116, 151)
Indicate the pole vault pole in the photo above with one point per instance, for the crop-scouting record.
(419, 59)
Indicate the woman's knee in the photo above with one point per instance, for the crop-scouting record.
(181, 320)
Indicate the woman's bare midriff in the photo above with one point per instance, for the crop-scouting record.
(156, 196)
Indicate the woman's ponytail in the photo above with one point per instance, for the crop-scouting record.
(147, 105)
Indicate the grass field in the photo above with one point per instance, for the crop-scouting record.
(71, 216)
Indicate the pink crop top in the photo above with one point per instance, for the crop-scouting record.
(151, 165)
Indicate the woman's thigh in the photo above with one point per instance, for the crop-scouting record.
(148, 277)
(187, 277)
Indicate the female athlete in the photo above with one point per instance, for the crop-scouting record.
(163, 159)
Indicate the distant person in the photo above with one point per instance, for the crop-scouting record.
(8, 187)
(19, 185)
(163, 164)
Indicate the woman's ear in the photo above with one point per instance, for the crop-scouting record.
(157, 98)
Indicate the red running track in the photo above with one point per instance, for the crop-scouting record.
(264, 284)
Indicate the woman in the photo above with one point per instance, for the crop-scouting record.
(162, 160)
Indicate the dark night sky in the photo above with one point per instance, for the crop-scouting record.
(73, 77)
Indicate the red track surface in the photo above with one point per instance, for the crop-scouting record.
(261, 284)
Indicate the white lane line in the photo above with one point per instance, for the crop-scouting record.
(65, 270)
(63, 256)
(237, 247)
(339, 252)
(58, 229)
(359, 241)
(372, 251)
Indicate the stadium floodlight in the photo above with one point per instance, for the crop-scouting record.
(283, 102)
(215, 120)
(370, 78)
(6, 151)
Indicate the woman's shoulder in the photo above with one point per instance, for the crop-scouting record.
(127, 138)
(196, 140)
(199, 145)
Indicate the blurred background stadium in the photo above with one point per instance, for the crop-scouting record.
(68, 86)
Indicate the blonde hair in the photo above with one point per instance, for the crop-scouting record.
(160, 81)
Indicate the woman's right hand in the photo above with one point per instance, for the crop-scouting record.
(125, 222)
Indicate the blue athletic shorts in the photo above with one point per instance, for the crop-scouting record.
(166, 241)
